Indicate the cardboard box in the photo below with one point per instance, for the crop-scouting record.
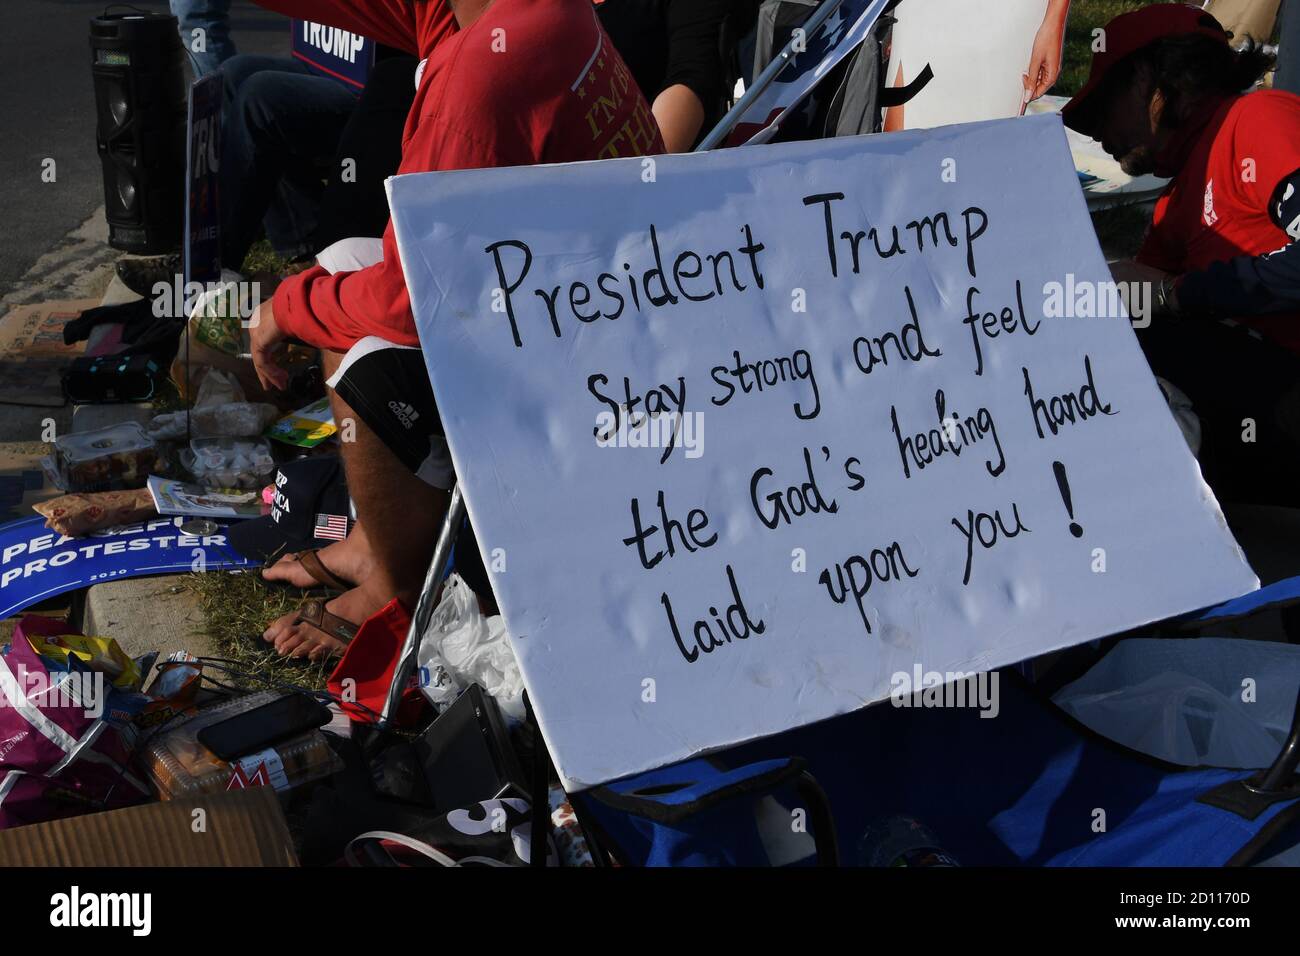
(240, 828)
(32, 353)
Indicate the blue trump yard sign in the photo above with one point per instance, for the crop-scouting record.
(333, 52)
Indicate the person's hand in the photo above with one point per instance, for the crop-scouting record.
(1044, 59)
(267, 344)
(1148, 292)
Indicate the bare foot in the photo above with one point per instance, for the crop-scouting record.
(350, 560)
(294, 638)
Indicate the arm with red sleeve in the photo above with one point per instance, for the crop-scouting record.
(1267, 283)
(334, 311)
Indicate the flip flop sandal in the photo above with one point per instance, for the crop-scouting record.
(311, 562)
(311, 612)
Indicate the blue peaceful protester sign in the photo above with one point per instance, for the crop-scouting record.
(37, 563)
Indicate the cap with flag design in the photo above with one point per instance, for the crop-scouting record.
(309, 509)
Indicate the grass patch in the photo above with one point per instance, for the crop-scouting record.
(262, 258)
(238, 606)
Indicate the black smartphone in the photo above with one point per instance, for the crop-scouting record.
(263, 726)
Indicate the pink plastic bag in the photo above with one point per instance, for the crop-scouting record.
(58, 756)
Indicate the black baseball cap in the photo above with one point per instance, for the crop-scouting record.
(310, 509)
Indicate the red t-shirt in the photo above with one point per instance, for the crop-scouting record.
(1217, 206)
(530, 81)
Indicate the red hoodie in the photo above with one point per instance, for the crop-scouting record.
(530, 81)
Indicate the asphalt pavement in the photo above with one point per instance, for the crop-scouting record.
(47, 107)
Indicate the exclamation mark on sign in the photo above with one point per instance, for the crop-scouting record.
(1064, 484)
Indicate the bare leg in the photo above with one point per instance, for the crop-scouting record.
(350, 559)
(401, 515)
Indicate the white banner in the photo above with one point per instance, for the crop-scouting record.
(747, 435)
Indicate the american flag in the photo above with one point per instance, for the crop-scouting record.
(332, 526)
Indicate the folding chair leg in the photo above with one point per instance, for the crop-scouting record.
(424, 606)
(541, 787)
(1282, 771)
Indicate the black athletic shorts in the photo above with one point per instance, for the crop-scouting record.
(388, 387)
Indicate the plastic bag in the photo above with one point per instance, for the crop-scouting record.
(462, 647)
(220, 411)
(1206, 701)
(219, 388)
(231, 420)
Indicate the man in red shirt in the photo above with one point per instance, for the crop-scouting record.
(1165, 96)
(505, 83)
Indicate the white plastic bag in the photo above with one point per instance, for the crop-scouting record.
(1209, 701)
(220, 411)
(462, 647)
(229, 420)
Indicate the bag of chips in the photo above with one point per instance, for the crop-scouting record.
(78, 514)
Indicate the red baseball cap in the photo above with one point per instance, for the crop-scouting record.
(1130, 32)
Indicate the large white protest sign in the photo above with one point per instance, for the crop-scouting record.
(885, 428)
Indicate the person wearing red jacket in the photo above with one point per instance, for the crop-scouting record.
(1165, 96)
(504, 83)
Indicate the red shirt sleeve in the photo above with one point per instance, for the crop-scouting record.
(334, 311)
(464, 122)
(1266, 145)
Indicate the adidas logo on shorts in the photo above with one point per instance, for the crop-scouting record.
(404, 412)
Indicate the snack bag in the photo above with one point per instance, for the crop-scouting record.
(102, 654)
(78, 514)
(173, 692)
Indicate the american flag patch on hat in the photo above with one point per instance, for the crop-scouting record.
(332, 526)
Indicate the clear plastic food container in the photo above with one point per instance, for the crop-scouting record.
(180, 766)
(107, 459)
(230, 462)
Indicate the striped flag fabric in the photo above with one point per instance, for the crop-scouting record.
(332, 526)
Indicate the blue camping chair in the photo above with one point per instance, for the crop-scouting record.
(1031, 787)
(1025, 788)
(1022, 789)
(699, 813)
